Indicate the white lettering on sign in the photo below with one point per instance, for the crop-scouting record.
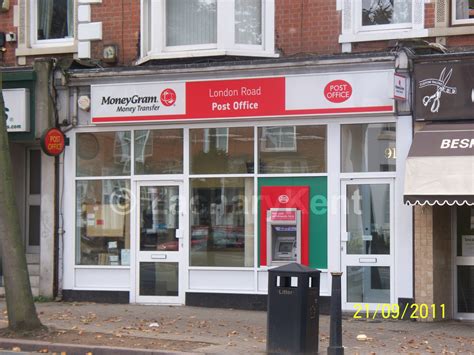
(244, 91)
(457, 143)
(17, 109)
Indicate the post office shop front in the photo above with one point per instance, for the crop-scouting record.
(184, 188)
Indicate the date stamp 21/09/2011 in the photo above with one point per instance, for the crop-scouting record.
(395, 311)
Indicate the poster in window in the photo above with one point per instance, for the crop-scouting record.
(468, 245)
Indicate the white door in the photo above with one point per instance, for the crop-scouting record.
(367, 238)
(160, 243)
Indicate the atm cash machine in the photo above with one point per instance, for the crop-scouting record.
(283, 236)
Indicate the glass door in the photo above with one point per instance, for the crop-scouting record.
(367, 242)
(160, 262)
(464, 263)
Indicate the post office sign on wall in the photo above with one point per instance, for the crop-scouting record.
(17, 109)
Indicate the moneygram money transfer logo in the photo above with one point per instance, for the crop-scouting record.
(168, 97)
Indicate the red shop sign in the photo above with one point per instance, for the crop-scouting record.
(53, 142)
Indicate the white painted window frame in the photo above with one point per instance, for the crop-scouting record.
(153, 29)
(47, 43)
(353, 31)
(456, 22)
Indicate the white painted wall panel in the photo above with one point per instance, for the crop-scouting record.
(100, 279)
(221, 280)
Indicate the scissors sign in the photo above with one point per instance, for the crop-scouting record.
(441, 86)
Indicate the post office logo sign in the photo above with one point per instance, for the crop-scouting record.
(338, 91)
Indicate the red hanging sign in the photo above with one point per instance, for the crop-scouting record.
(53, 142)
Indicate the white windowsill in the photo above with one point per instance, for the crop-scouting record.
(383, 35)
(206, 53)
(26, 51)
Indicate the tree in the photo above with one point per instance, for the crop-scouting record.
(20, 305)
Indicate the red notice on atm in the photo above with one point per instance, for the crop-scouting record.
(283, 215)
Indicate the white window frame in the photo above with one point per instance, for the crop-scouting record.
(353, 31)
(45, 43)
(454, 21)
(153, 29)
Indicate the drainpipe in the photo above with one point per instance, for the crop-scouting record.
(61, 232)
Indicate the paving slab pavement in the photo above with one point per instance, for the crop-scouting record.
(166, 329)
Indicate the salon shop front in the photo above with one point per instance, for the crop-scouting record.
(185, 186)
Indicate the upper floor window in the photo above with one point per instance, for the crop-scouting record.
(463, 12)
(52, 21)
(376, 13)
(374, 20)
(181, 28)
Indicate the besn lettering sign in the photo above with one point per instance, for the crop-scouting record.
(457, 143)
(317, 94)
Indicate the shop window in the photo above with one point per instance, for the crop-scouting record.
(462, 12)
(103, 154)
(207, 27)
(102, 222)
(368, 147)
(222, 223)
(159, 151)
(292, 149)
(222, 150)
(372, 20)
(465, 231)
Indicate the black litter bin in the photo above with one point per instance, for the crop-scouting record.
(293, 310)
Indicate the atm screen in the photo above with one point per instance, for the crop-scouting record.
(284, 231)
(285, 247)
